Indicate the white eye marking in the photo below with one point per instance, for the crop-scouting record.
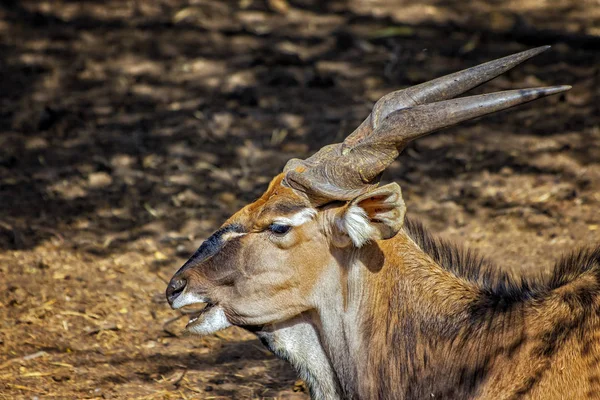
(355, 222)
(297, 219)
(230, 235)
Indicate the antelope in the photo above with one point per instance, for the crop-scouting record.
(365, 304)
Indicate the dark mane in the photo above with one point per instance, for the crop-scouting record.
(497, 285)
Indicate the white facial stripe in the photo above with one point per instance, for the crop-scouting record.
(297, 219)
(230, 235)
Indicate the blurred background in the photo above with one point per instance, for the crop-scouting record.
(130, 129)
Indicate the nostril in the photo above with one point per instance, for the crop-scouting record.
(175, 288)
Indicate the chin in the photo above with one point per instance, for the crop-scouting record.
(210, 320)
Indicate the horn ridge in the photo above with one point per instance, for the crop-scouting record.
(443, 88)
(345, 170)
(408, 124)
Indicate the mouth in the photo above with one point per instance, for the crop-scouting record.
(207, 320)
(198, 316)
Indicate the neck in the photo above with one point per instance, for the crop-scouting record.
(339, 308)
(399, 326)
(429, 321)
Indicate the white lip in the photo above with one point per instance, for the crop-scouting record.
(186, 299)
(210, 320)
(197, 315)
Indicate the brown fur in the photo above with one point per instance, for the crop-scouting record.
(446, 324)
(410, 317)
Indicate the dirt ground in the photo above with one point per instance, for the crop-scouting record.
(129, 130)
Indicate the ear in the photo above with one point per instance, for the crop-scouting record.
(377, 214)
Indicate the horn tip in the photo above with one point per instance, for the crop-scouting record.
(557, 89)
(536, 93)
(536, 50)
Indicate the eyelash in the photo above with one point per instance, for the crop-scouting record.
(279, 229)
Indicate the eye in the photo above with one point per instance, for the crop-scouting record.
(279, 229)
